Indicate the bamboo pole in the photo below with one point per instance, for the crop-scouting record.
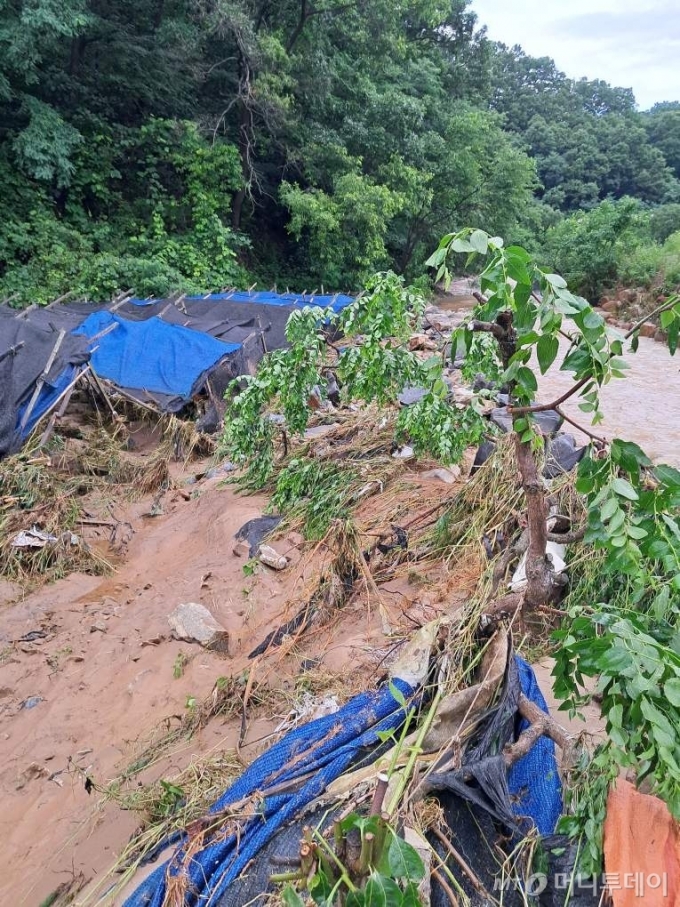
(65, 398)
(97, 381)
(59, 299)
(12, 350)
(41, 381)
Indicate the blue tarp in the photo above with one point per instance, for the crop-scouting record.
(49, 394)
(152, 355)
(533, 780)
(322, 749)
(337, 302)
(316, 754)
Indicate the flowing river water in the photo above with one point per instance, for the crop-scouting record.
(643, 407)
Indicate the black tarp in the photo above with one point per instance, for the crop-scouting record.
(22, 369)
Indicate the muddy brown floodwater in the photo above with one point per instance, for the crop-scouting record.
(643, 407)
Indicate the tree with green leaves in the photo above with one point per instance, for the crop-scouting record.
(627, 636)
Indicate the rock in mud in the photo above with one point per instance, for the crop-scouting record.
(271, 558)
(255, 530)
(549, 421)
(440, 321)
(421, 342)
(194, 623)
(449, 476)
(484, 451)
(404, 453)
(241, 549)
(411, 395)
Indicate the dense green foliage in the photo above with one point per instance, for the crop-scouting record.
(192, 146)
(617, 242)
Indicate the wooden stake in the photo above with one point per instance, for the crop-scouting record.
(24, 312)
(100, 387)
(60, 299)
(107, 330)
(12, 350)
(41, 381)
(126, 297)
(65, 398)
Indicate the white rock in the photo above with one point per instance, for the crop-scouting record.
(442, 474)
(194, 623)
(271, 558)
(555, 553)
(404, 453)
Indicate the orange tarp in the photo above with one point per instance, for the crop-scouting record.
(641, 850)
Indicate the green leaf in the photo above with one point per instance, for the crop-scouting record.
(637, 532)
(628, 455)
(462, 245)
(479, 241)
(381, 892)
(398, 695)
(667, 318)
(556, 281)
(403, 861)
(668, 476)
(609, 508)
(624, 489)
(436, 259)
(663, 729)
(527, 379)
(547, 349)
(411, 896)
(592, 321)
(672, 691)
(291, 898)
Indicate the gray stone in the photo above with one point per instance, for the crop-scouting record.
(220, 470)
(411, 395)
(548, 421)
(320, 431)
(194, 623)
(441, 323)
(404, 453)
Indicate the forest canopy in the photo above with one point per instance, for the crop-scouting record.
(168, 146)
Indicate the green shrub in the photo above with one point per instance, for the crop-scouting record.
(588, 247)
(664, 220)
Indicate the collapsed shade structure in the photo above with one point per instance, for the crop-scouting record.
(153, 359)
(157, 352)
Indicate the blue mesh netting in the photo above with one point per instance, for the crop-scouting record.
(533, 780)
(325, 748)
